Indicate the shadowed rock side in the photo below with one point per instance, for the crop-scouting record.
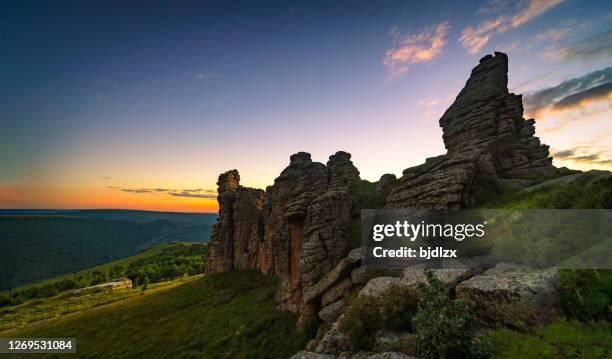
(486, 137)
(295, 230)
(235, 237)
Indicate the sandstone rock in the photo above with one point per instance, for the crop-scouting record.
(334, 341)
(310, 355)
(411, 277)
(385, 340)
(340, 272)
(377, 287)
(486, 137)
(513, 297)
(385, 183)
(336, 291)
(235, 237)
(358, 275)
(294, 230)
(332, 312)
(362, 354)
(390, 355)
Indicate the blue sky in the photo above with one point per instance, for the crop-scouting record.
(103, 96)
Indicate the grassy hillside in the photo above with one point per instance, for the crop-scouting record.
(159, 263)
(575, 195)
(225, 315)
(40, 246)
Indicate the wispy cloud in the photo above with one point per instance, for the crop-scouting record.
(583, 154)
(553, 34)
(571, 93)
(207, 76)
(473, 38)
(596, 93)
(598, 45)
(429, 102)
(99, 98)
(411, 49)
(193, 195)
(534, 9)
(188, 192)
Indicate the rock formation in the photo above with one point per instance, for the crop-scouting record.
(486, 138)
(295, 230)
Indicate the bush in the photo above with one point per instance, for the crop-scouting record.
(586, 294)
(443, 326)
(366, 315)
(398, 307)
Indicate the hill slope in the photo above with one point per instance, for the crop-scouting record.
(225, 315)
(40, 246)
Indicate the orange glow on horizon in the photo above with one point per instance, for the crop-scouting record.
(13, 196)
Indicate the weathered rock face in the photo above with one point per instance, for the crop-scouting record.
(234, 240)
(486, 137)
(294, 230)
(512, 296)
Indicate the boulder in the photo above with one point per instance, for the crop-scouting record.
(359, 275)
(332, 312)
(411, 277)
(334, 341)
(390, 355)
(341, 271)
(336, 291)
(310, 355)
(377, 287)
(512, 297)
(386, 340)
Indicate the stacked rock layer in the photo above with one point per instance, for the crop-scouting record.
(486, 138)
(295, 230)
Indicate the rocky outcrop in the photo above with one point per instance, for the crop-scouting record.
(332, 312)
(512, 296)
(295, 230)
(486, 138)
(235, 237)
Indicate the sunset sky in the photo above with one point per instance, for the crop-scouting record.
(141, 104)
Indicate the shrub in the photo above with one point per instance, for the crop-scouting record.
(586, 294)
(443, 326)
(366, 315)
(398, 307)
(361, 319)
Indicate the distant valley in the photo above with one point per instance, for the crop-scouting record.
(41, 244)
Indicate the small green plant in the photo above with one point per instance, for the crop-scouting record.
(392, 311)
(361, 319)
(586, 294)
(398, 307)
(443, 326)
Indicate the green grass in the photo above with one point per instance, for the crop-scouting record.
(562, 339)
(35, 247)
(575, 195)
(160, 257)
(223, 315)
(71, 302)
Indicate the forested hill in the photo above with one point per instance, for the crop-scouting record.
(36, 245)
